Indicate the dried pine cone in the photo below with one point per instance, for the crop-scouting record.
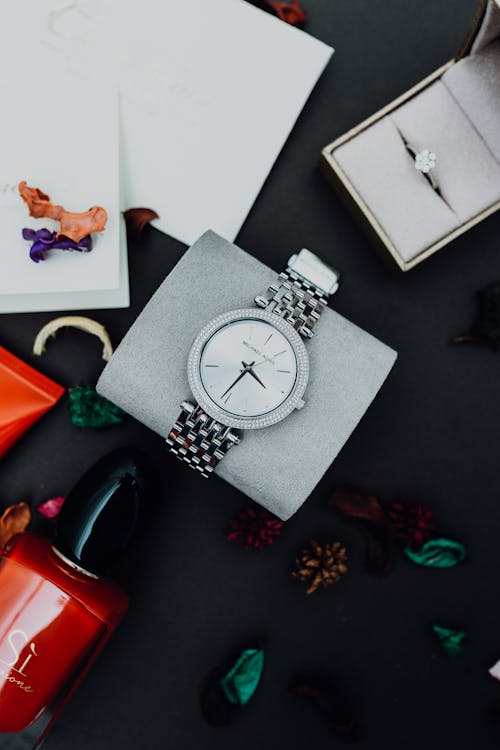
(413, 522)
(254, 528)
(320, 565)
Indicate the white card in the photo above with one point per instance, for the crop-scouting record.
(62, 138)
(210, 90)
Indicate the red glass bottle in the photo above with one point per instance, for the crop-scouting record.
(56, 611)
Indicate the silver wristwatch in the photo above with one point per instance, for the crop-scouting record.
(249, 368)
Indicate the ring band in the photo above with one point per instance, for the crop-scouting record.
(425, 161)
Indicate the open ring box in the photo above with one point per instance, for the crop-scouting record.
(455, 113)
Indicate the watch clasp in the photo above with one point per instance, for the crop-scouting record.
(315, 271)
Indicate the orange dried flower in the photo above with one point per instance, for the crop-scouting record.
(14, 520)
(76, 226)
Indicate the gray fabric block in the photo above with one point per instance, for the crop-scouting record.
(278, 466)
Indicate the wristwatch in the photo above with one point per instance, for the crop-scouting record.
(248, 368)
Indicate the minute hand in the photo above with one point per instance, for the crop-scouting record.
(242, 373)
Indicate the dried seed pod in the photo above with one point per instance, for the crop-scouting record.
(320, 565)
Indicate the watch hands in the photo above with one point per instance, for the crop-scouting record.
(251, 372)
(246, 369)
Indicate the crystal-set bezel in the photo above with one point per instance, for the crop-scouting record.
(290, 403)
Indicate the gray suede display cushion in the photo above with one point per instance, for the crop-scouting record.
(278, 466)
(457, 117)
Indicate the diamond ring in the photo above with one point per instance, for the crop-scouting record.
(425, 161)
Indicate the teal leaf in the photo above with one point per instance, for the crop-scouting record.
(88, 409)
(437, 553)
(240, 683)
(452, 641)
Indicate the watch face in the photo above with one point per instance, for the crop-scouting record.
(248, 368)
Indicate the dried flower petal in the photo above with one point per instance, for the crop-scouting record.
(363, 508)
(74, 226)
(51, 508)
(136, 219)
(73, 321)
(437, 553)
(14, 520)
(88, 408)
(486, 327)
(44, 240)
(413, 522)
(254, 528)
(450, 640)
(321, 690)
(290, 12)
(241, 682)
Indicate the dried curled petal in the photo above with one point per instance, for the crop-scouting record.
(51, 508)
(486, 326)
(437, 553)
(88, 408)
(44, 240)
(364, 509)
(322, 690)
(73, 321)
(241, 681)
(290, 12)
(74, 226)
(452, 641)
(14, 520)
(136, 219)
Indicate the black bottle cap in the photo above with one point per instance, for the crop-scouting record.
(100, 513)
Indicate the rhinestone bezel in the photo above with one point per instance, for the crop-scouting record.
(248, 423)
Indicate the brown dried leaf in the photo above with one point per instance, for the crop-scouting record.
(136, 219)
(355, 502)
(363, 508)
(14, 520)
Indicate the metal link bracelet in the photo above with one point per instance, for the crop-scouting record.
(200, 440)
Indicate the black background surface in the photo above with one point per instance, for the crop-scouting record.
(431, 434)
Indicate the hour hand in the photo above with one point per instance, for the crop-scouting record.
(251, 372)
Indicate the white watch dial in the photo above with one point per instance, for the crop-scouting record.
(248, 368)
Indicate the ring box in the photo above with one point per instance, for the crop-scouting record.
(278, 466)
(455, 113)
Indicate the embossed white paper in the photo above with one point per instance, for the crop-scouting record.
(210, 90)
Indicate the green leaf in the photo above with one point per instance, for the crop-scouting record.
(451, 640)
(437, 553)
(88, 409)
(241, 681)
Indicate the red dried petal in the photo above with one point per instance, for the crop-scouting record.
(254, 529)
(290, 12)
(51, 508)
(136, 219)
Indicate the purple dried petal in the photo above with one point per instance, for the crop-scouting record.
(44, 240)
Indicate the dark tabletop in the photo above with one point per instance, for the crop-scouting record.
(432, 435)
